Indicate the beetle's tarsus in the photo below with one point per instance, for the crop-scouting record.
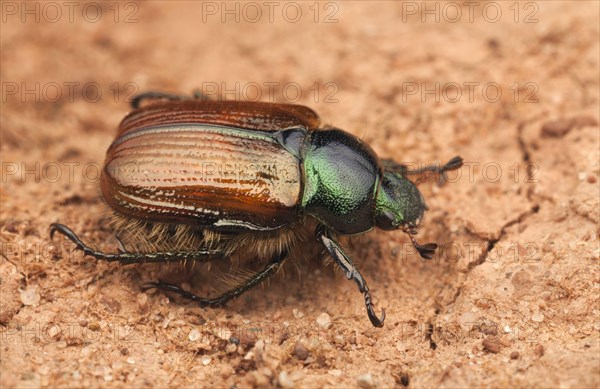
(376, 321)
(66, 231)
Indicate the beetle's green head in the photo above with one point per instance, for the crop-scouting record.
(400, 205)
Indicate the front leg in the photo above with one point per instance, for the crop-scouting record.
(352, 273)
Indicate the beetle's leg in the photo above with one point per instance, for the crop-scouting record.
(268, 271)
(138, 99)
(352, 273)
(125, 257)
(453, 164)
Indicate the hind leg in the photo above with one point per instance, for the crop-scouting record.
(124, 257)
(262, 275)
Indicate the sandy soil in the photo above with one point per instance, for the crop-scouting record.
(511, 299)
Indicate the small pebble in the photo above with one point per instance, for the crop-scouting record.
(538, 351)
(227, 371)
(335, 372)
(247, 337)
(537, 317)
(324, 320)
(30, 296)
(514, 355)
(194, 335)
(557, 128)
(230, 348)
(142, 300)
(54, 331)
(365, 381)
(300, 351)
(284, 381)
(491, 344)
(206, 360)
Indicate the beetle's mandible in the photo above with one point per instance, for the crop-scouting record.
(224, 171)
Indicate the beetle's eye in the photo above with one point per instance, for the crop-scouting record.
(385, 221)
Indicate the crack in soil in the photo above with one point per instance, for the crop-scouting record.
(491, 243)
(532, 166)
(526, 154)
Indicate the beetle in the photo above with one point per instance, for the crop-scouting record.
(236, 174)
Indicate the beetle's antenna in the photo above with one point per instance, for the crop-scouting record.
(425, 251)
(453, 164)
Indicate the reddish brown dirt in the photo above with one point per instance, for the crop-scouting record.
(511, 299)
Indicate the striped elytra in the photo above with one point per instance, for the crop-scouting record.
(187, 163)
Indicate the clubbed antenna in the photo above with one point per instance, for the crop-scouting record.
(427, 250)
(453, 164)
